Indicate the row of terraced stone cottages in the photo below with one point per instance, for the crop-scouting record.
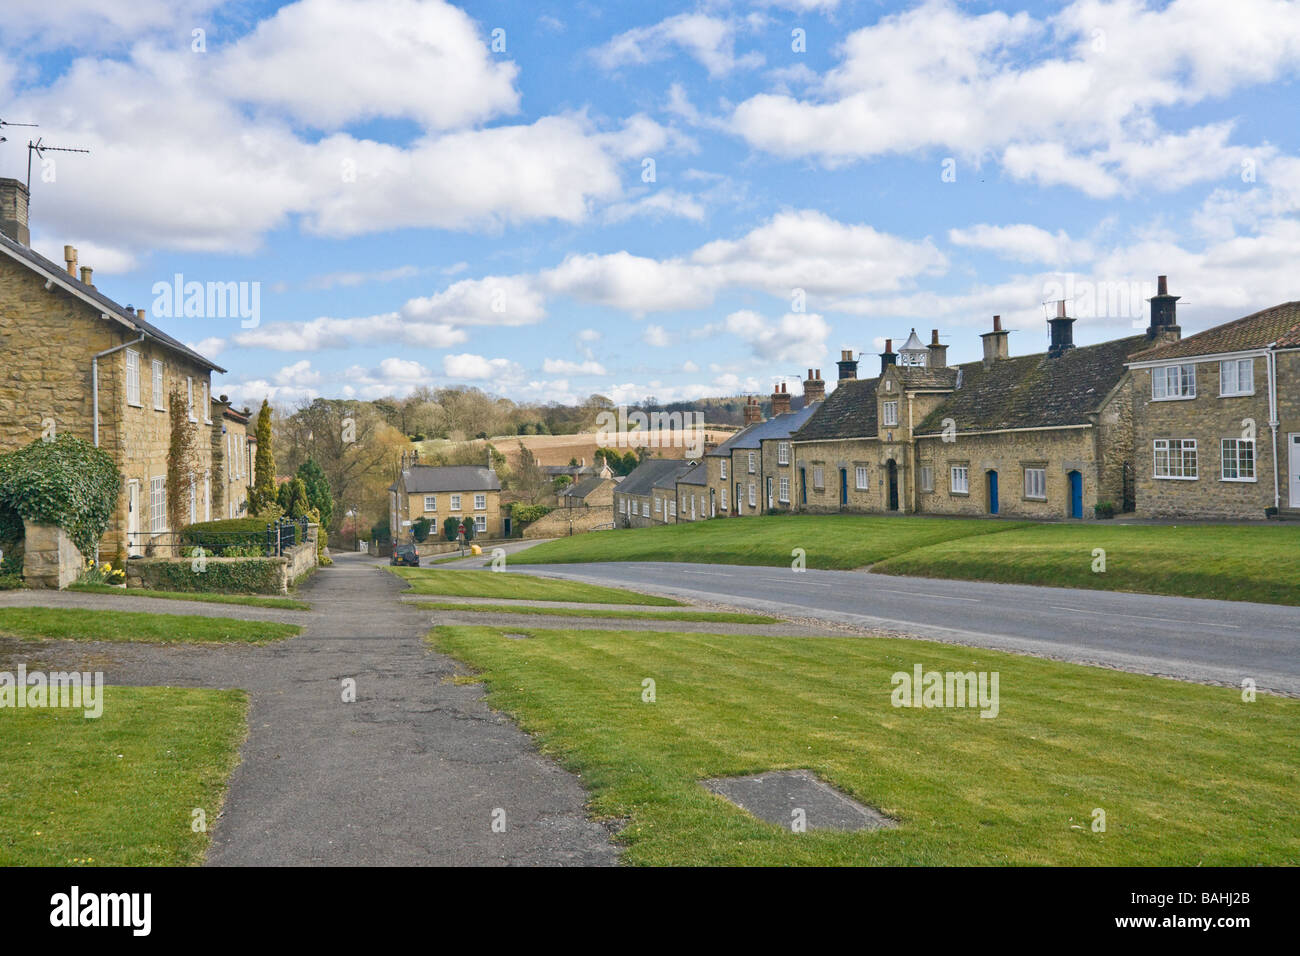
(1155, 424)
(76, 362)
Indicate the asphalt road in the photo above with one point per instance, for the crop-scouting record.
(1221, 642)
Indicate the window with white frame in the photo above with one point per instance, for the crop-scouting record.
(783, 494)
(723, 502)
(1237, 377)
(751, 462)
(961, 479)
(207, 404)
(723, 465)
(1175, 458)
(672, 508)
(480, 524)
(656, 505)
(860, 478)
(1238, 459)
(1036, 483)
(158, 504)
(1173, 381)
(783, 453)
(753, 495)
(889, 411)
(480, 502)
(819, 477)
(189, 399)
(158, 385)
(194, 501)
(927, 478)
(430, 502)
(132, 377)
(626, 508)
(455, 502)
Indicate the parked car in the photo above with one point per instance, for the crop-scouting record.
(406, 554)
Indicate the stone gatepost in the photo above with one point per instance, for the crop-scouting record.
(51, 559)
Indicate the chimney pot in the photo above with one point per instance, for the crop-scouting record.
(995, 343)
(70, 259)
(1062, 332)
(139, 314)
(86, 274)
(814, 389)
(934, 336)
(1164, 313)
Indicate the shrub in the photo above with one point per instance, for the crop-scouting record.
(231, 537)
(10, 582)
(527, 514)
(420, 529)
(66, 482)
(380, 532)
(451, 528)
(1104, 509)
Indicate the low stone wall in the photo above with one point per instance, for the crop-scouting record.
(226, 575)
(564, 521)
(50, 558)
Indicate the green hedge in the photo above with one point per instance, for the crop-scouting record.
(246, 576)
(217, 536)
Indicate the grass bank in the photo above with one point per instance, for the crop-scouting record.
(718, 617)
(1231, 562)
(85, 624)
(119, 790)
(250, 600)
(1187, 775)
(523, 587)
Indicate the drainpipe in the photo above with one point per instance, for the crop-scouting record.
(1273, 422)
(94, 378)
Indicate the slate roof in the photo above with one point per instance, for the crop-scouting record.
(643, 477)
(1034, 391)
(668, 480)
(699, 475)
(922, 376)
(582, 489)
(848, 412)
(781, 426)
(427, 479)
(49, 269)
(724, 449)
(1280, 324)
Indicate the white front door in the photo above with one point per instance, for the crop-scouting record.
(1293, 445)
(133, 518)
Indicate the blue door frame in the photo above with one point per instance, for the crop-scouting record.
(803, 487)
(1076, 494)
(993, 491)
(844, 486)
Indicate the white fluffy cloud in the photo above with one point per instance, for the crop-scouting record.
(709, 39)
(1023, 243)
(938, 77)
(795, 337)
(566, 367)
(449, 78)
(476, 368)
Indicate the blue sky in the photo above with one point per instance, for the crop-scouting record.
(419, 208)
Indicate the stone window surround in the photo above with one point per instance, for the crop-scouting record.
(1254, 478)
(861, 480)
(927, 471)
(1196, 451)
(1025, 468)
(952, 466)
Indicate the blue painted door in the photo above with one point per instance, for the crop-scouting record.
(993, 492)
(1076, 495)
(803, 487)
(844, 486)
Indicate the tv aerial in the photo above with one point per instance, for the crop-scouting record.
(40, 148)
(3, 123)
